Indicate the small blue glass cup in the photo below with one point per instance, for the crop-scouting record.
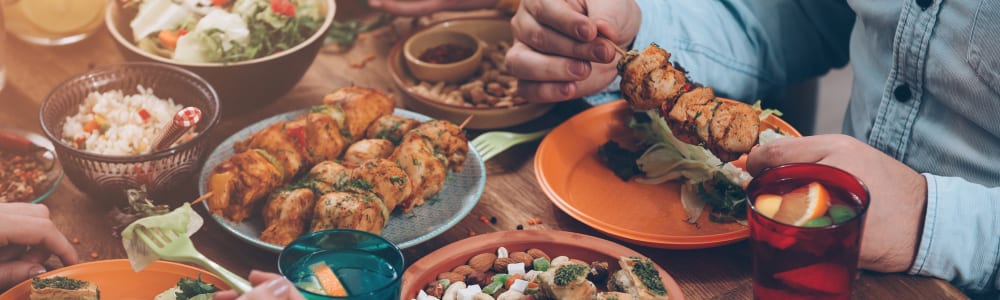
(368, 266)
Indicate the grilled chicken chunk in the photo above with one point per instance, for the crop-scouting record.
(287, 214)
(359, 211)
(275, 140)
(361, 106)
(391, 127)
(385, 179)
(240, 181)
(649, 79)
(367, 149)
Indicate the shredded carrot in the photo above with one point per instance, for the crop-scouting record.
(358, 65)
(168, 38)
(510, 280)
(484, 219)
(538, 220)
(472, 233)
(531, 222)
(93, 254)
(76, 241)
(369, 57)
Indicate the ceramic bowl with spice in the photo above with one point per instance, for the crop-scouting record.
(102, 124)
(30, 169)
(489, 94)
(442, 55)
(252, 76)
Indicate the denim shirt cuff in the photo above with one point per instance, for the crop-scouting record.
(959, 241)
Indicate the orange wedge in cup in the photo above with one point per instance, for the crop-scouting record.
(803, 204)
(328, 280)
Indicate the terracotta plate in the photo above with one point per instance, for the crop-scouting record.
(116, 280)
(552, 242)
(460, 193)
(570, 173)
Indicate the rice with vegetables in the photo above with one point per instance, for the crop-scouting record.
(113, 123)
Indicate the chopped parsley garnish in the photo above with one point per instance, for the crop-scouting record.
(193, 287)
(58, 282)
(650, 277)
(570, 273)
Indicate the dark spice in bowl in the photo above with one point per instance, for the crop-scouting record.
(446, 54)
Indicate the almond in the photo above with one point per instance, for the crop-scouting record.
(483, 262)
(536, 253)
(500, 265)
(465, 270)
(522, 258)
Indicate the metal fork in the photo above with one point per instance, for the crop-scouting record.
(492, 143)
(170, 245)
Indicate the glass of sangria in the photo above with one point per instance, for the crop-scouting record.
(805, 231)
(343, 264)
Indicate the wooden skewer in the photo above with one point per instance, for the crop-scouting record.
(202, 198)
(617, 49)
(466, 122)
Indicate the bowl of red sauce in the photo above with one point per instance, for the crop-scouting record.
(442, 55)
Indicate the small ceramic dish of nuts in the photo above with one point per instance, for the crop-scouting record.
(489, 94)
(536, 265)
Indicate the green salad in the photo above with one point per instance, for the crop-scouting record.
(222, 30)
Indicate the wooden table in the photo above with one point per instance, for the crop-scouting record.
(512, 193)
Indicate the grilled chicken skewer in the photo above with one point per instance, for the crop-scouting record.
(694, 114)
(355, 198)
(291, 146)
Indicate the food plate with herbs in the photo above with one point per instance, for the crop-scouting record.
(460, 193)
(572, 175)
(541, 243)
(116, 280)
(31, 170)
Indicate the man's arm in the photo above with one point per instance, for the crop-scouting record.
(961, 234)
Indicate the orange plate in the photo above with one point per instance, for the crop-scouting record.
(116, 280)
(570, 173)
(553, 242)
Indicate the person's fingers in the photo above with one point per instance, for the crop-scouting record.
(12, 252)
(25, 209)
(808, 149)
(613, 20)
(276, 288)
(546, 91)
(561, 17)
(225, 295)
(545, 40)
(526, 64)
(14, 272)
(37, 255)
(37, 232)
(258, 277)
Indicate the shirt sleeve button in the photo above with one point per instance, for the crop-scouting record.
(902, 93)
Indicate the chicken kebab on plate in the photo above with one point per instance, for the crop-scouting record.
(650, 81)
(360, 163)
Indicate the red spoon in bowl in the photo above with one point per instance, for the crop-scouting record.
(184, 120)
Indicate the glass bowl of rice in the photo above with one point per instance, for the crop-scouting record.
(103, 124)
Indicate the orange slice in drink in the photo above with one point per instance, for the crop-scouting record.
(328, 280)
(62, 16)
(768, 204)
(803, 204)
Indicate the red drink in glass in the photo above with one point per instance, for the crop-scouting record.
(799, 262)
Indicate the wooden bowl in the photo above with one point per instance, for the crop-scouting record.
(490, 30)
(552, 242)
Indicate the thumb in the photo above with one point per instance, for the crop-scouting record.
(14, 272)
(616, 20)
(276, 288)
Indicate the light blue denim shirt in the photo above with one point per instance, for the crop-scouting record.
(926, 91)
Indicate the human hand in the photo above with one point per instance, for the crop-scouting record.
(424, 7)
(557, 54)
(27, 239)
(267, 286)
(898, 194)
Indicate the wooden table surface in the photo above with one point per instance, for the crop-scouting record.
(512, 193)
